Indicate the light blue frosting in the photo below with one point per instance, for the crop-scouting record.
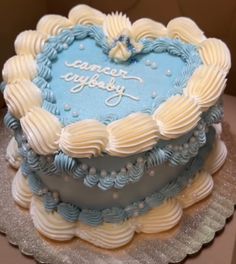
(11, 122)
(166, 151)
(168, 54)
(73, 213)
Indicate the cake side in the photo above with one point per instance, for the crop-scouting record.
(137, 132)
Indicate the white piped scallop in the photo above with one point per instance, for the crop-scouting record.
(200, 188)
(21, 96)
(185, 29)
(148, 28)
(160, 219)
(42, 130)
(20, 190)
(12, 154)
(86, 138)
(86, 15)
(176, 116)
(53, 24)
(107, 235)
(133, 134)
(214, 52)
(29, 42)
(206, 85)
(19, 67)
(52, 225)
(217, 157)
(115, 24)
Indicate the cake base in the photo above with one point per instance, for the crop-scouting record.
(197, 226)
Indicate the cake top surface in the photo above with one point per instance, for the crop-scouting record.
(94, 83)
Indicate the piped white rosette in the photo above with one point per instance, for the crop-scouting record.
(135, 133)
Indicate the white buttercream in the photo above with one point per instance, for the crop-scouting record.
(217, 157)
(85, 138)
(12, 154)
(53, 24)
(29, 42)
(206, 85)
(148, 28)
(19, 67)
(161, 218)
(200, 188)
(51, 225)
(42, 130)
(115, 24)
(185, 29)
(21, 191)
(218, 129)
(21, 96)
(176, 116)
(134, 134)
(214, 52)
(86, 15)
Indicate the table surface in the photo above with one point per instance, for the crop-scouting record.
(221, 251)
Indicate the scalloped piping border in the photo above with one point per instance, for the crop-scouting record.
(181, 28)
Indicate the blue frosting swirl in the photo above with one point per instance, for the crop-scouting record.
(11, 122)
(50, 203)
(68, 211)
(91, 217)
(64, 163)
(114, 215)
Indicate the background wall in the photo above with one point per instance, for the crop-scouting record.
(217, 18)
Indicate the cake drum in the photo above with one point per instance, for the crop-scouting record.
(198, 225)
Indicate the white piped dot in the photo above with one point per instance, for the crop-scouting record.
(66, 178)
(154, 95)
(148, 62)
(84, 166)
(141, 205)
(115, 195)
(129, 165)
(81, 47)
(67, 107)
(113, 174)
(92, 171)
(154, 65)
(75, 114)
(65, 46)
(168, 73)
(151, 173)
(103, 173)
(55, 195)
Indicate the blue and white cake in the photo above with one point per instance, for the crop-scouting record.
(116, 125)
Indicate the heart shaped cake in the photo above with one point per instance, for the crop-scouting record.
(116, 124)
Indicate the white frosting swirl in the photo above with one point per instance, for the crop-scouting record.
(115, 24)
(29, 42)
(185, 29)
(197, 190)
(86, 15)
(217, 157)
(21, 96)
(52, 225)
(161, 218)
(218, 129)
(133, 134)
(107, 235)
(214, 52)
(86, 138)
(20, 190)
(176, 116)
(42, 130)
(148, 28)
(53, 24)
(120, 52)
(12, 154)
(19, 67)
(206, 85)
